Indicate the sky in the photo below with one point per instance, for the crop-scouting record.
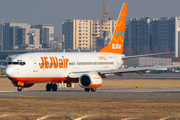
(56, 11)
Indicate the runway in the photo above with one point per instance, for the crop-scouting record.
(153, 93)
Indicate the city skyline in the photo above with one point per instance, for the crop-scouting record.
(55, 12)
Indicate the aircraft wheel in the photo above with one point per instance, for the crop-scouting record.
(48, 87)
(20, 89)
(54, 87)
(87, 89)
(93, 89)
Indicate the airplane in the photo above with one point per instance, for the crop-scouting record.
(87, 68)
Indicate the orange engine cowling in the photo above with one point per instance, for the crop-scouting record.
(90, 80)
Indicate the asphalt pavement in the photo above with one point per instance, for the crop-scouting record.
(134, 93)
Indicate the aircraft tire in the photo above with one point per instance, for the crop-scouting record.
(87, 89)
(20, 89)
(93, 89)
(48, 87)
(54, 87)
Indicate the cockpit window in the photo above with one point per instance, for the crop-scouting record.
(22, 63)
(9, 63)
(17, 63)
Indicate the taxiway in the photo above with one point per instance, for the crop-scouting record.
(153, 93)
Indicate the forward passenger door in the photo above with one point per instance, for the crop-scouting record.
(35, 65)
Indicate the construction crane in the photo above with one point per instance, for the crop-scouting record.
(102, 28)
(105, 7)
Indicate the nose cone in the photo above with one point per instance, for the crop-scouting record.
(9, 71)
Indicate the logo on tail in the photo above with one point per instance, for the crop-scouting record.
(117, 42)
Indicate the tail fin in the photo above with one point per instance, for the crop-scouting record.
(117, 42)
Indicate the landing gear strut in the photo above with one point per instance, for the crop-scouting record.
(50, 87)
(20, 89)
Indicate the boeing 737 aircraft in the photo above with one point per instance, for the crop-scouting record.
(86, 68)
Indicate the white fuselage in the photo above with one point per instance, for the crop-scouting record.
(55, 66)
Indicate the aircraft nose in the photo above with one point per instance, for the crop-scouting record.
(9, 71)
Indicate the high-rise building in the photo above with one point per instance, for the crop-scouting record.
(17, 36)
(177, 36)
(34, 39)
(163, 32)
(159, 32)
(46, 34)
(80, 33)
(137, 33)
(14, 35)
(1, 36)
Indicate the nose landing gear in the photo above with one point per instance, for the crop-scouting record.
(20, 89)
(51, 86)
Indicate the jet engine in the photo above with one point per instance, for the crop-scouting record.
(90, 80)
(25, 84)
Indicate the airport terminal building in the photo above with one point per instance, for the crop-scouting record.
(147, 61)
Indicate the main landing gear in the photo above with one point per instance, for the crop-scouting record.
(51, 86)
(92, 89)
(20, 89)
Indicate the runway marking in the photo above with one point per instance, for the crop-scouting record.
(7, 91)
(17, 95)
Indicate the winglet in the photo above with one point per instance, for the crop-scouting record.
(117, 42)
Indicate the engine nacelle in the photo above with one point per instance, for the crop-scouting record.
(90, 80)
(25, 84)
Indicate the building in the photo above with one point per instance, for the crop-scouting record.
(163, 33)
(150, 32)
(177, 37)
(60, 40)
(1, 36)
(16, 36)
(46, 34)
(147, 61)
(58, 43)
(33, 35)
(80, 33)
(137, 33)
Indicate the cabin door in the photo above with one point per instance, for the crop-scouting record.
(35, 65)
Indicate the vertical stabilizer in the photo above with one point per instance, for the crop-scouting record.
(117, 42)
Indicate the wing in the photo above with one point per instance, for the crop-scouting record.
(119, 72)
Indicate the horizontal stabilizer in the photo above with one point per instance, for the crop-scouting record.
(145, 55)
(136, 69)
